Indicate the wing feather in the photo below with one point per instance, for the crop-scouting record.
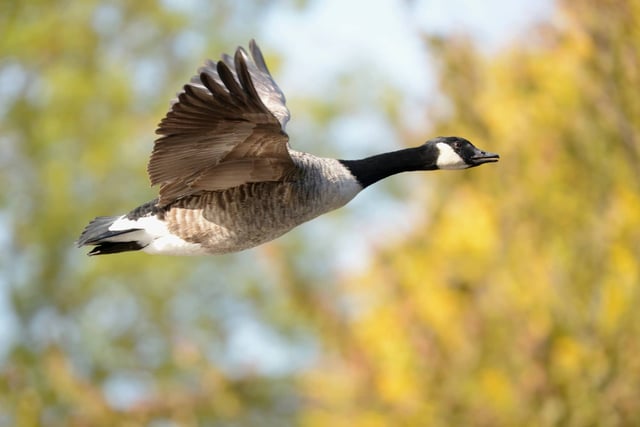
(226, 128)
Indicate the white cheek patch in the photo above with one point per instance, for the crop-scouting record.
(449, 159)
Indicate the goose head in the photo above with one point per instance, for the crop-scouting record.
(452, 152)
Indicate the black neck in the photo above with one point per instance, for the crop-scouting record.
(373, 169)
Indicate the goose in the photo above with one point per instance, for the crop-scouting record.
(229, 181)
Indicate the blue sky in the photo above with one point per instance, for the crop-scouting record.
(330, 36)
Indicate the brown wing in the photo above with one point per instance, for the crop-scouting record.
(220, 132)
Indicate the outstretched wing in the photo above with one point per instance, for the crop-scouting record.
(225, 129)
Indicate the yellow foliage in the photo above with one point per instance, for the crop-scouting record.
(517, 303)
(568, 356)
(496, 388)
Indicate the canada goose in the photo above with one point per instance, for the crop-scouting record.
(228, 179)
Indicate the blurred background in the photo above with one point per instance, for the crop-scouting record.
(498, 296)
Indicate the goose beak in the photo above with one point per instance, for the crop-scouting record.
(481, 157)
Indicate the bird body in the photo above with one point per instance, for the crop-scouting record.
(241, 217)
(228, 179)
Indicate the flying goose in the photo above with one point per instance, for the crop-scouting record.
(228, 178)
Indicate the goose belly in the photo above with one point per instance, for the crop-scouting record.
(249, 215)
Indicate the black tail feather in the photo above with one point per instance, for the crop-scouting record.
(97, 230)
(97, 233)
(114, 247)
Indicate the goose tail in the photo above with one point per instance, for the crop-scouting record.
(108, 238)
